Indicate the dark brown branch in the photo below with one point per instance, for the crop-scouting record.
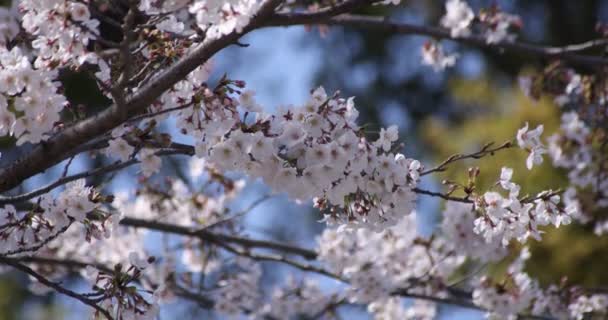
(55, 286)
(279, 258)
(568, 53)
(485, 150)
(442, 195)
(217, 238)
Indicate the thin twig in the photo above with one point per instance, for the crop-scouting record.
(67, 167)
(485, 150)
(95, 172)
(240, 213)
(217, 237)
(442, 195)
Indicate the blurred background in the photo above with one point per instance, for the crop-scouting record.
(476, 102)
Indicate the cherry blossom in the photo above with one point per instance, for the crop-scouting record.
(364, 185)
(434, 56)
(458, 18)
(529, 140)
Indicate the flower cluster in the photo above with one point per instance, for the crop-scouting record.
(29, 103)
(497, 24)
(458, 18)
(317, 151)
(220, 18)
(294, 299)
(393, 309)
(585, 306)
(24, 232)
(503, 219)
(240, 291)
(179, 204)
(508, 300)
(434, 56)
(313, 151)
(457, 228)
(63, 30)
(574, 148)
(376, 264)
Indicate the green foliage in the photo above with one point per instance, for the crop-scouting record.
(12, 294)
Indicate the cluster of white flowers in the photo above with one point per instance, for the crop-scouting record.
(509, 300)
(21, 232)
(317, 151)
(496, 25)
(503, 219)
(313, 151)
(393, 309)
(62, 28)
(433, 55)
(457, 228)
(573, 148)
(294, 299)
(458, 18)
(220, 17)
(573, 91)
(31, 93)
(179, 205)
(379, 263)
(505, 303)
(240, 292)
(529, 140)
(118, 147)
(584, 306)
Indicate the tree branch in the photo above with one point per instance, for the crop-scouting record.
(382, 24)
(485, 150)
(216, 237)
(442, 195)
(55, 286)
